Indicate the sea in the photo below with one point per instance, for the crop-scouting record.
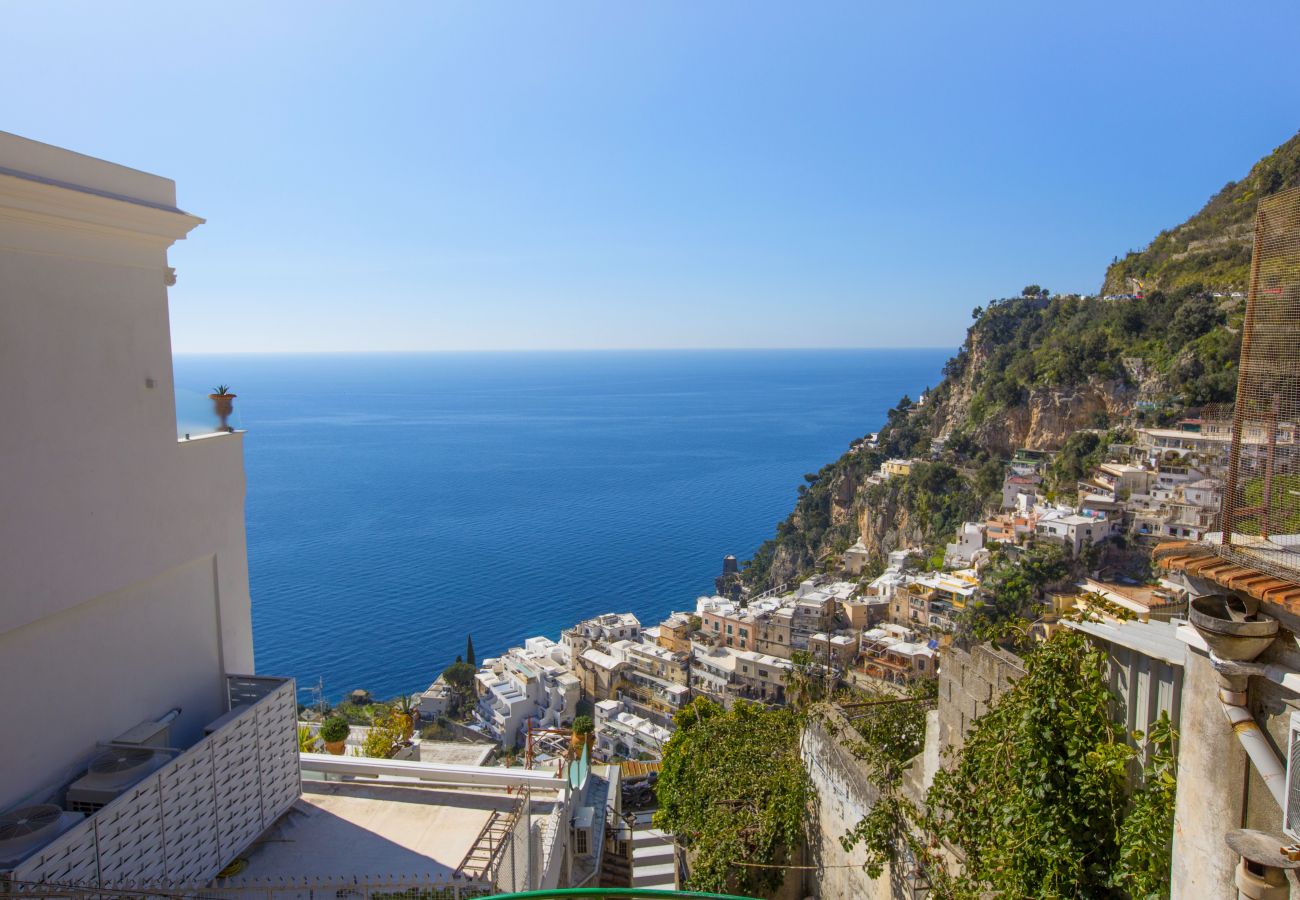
(399, 503)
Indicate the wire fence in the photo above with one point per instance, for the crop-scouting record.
(1260, 516)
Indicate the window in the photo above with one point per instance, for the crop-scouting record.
(580, 842)
(745, 669)
(762, 673)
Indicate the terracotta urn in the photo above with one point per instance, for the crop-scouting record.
(224, 405)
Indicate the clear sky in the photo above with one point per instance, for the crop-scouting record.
(478, 175)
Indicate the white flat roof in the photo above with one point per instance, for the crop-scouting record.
(370, 832)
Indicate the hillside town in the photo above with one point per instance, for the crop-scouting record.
(1037, 636)
(855, 628)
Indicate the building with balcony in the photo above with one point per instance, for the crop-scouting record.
(1075, 531)
(675, 633)
(893, 654)
(528, 685)
(621, 732)
(835, 650)
(970, 540)
(600, 632)
(759, 677)
(654, 681)
(146, 748)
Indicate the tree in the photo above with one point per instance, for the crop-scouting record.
(460, 675)
(469, 650)
(1032, 290)
(806, 683)
(733, 789)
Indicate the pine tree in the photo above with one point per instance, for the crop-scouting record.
(469, 650)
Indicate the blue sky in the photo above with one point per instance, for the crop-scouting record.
(389, 176)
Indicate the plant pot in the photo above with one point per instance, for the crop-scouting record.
(336, 747)
(224, 405)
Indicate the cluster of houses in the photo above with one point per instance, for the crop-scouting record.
(1166, 484)
(891, 629)
(636, 679)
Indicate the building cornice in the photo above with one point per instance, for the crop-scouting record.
(35, 200)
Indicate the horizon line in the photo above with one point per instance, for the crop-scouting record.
(553, 350)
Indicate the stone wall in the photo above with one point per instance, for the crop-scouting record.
(844, 795)
(970, 679)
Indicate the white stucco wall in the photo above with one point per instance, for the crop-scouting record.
(123, 570)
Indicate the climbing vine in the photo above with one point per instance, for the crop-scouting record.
(1145, 837)
(1037, 802)
(1035, 798)
(734, 791)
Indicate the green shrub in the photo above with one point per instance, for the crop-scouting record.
(335, 729)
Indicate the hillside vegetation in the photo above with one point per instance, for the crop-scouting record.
(1032, 372)
(1212, 247)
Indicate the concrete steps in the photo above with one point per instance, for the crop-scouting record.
(654, 863)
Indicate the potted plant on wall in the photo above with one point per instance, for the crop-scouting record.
(334, 733)
(224, 403)
(583, 727)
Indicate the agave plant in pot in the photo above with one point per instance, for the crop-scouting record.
(224, 403)
(334, 733)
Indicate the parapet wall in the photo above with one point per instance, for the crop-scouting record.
(845, 794)
(970, 679)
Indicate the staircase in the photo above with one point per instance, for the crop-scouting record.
(487, 846)
(654, 862)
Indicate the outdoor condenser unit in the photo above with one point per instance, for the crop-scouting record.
(111, 773)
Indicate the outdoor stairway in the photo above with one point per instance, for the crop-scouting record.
(653, 860)
(478, 861)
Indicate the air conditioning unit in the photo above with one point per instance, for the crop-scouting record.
(111, 773)
(1291, 809)
(27, 829)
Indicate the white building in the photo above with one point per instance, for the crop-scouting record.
(530, 683)
(620, 732)
(855, 558)
(124, 610)
(969, 541)
(600, 631)
(1073, 530)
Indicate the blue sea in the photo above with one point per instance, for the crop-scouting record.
(398, 503)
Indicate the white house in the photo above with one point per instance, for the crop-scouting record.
(1073, 530)
(961, 552)
(620, 732)
(532, 682)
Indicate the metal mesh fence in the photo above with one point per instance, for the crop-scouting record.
(512, 867)
(1260, 516)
